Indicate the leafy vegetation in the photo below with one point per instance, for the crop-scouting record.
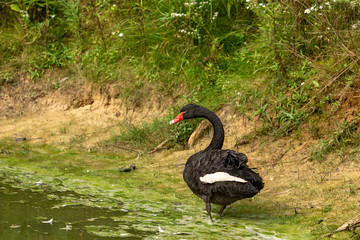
(287, 63)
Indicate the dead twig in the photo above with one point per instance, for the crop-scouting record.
(347, 226)
(331, 82)
(278, 163)
(305, 82)
(160, 147)
(180, 164)
(7, 3)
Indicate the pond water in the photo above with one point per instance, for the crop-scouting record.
(26, 214)
(90, 202)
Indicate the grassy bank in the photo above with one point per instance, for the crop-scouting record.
(292, 65)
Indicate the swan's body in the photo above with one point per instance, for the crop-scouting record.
(218, 176)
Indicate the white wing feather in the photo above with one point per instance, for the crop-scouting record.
(220, 177)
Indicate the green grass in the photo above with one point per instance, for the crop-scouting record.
(149, 135)
(281, 63)
(345, 138)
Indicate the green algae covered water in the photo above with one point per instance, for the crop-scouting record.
(44, 197)
(27, 214)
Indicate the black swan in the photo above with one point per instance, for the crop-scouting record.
(217, 176)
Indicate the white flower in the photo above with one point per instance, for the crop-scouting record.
(307, 11)
(215, 15)
(192, 2)
(121, 34)
(113, 33)
(177, 14)
(354, 26)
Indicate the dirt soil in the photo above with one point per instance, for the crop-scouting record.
(324, 193)
(72, 114)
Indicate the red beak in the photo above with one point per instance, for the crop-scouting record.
(178, 118)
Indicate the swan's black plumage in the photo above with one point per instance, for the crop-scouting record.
(212, 160)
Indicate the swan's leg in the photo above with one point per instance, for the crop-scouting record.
(208, 209)
(220, 213)
(208, 206)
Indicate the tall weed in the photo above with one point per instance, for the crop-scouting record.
(280, 61)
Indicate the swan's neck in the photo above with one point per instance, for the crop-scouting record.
(218, 137)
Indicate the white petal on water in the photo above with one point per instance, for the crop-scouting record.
(49, 221)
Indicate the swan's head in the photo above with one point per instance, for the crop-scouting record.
(187, 112)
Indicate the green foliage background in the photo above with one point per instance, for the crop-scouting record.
(291, 64)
